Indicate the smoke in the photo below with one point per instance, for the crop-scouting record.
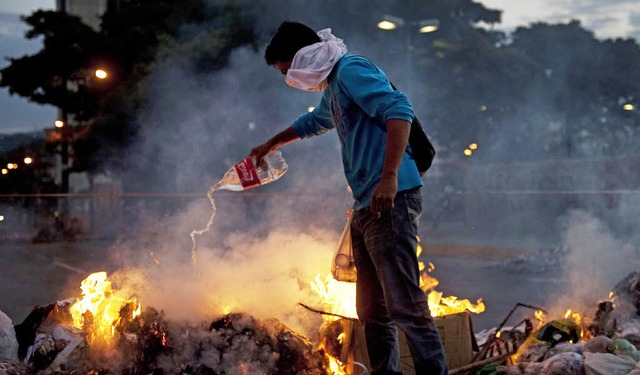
(266, 276)
(266, 244)
(595, 263)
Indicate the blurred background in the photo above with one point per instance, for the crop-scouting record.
(117, 114)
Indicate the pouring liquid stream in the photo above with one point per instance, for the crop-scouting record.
(242, 176)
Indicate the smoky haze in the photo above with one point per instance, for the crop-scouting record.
(596, 262)
(267, 244)
(264, 246)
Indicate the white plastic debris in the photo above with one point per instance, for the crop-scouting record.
(8, 341)
(608, 363)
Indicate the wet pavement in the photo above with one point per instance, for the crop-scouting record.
(501, 289)
(40, 274)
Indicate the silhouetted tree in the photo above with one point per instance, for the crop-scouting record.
(133, 36)
(582, 84)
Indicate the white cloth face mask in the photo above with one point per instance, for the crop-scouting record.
(312, 64)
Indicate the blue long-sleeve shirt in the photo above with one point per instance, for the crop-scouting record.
(358, 102)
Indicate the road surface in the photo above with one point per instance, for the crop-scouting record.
(40, 274)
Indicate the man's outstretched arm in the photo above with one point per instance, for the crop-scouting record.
(284, 137)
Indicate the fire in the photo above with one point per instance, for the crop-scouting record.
(577, 317)
(439, 305)
(335, 366)
(337, 297)
(101, 310)
(338, 300)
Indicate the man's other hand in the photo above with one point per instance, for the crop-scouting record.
(383, 195)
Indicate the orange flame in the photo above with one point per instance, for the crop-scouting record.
(335, 366)
(540, 317)
(577, 317)
(337, 297)
(439, 305)
(100, 309)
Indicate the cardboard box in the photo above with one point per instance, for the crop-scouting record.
(455, 332)
(457, 338)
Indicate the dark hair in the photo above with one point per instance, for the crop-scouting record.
(288, 39)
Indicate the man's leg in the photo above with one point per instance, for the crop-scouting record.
(391, 241)
(380, 333)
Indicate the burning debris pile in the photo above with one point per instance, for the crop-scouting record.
(54, 339)
(606, 344)
(106, 332)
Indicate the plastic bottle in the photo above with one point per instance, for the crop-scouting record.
(246, 175)
(242, 176)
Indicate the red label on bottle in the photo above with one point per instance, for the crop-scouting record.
(247, 173)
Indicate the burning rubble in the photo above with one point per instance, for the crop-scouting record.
(136, 340)
(605, 343)
(101, 333)
(108, 330)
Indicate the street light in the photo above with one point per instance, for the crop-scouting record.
(101, 74)
(59, 123)
(429, 26)
(390, 22)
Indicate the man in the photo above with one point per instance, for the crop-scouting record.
(373, 122)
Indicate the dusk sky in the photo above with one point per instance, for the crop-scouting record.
(607, 19)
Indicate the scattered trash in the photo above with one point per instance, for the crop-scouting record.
(48, 342)
(606, 345)
(608, 364)
(8, 341)
(151, 344)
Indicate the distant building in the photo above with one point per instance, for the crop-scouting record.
(89, 11)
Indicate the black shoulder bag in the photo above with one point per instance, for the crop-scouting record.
(422, 150)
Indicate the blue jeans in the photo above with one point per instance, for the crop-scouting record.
(388, 293)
